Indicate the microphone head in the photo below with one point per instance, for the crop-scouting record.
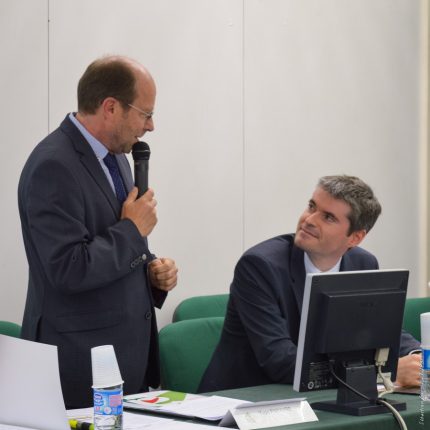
(140, 151)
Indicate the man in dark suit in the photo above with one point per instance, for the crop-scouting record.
(258, 344)
(92, 278)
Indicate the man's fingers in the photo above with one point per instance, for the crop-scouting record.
(149, 194)
(132, 195)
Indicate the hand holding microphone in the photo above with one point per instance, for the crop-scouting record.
(140, 204)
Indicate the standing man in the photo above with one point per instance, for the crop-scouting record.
(92, 278)
(259, 340)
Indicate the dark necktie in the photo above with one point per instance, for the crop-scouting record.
(112, 165)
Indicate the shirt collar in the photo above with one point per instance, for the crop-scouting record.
(99, 149)
(311, 268)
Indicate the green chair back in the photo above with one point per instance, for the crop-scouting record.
(414, 307)
(10, 329)
(201, 307)
(186, 348)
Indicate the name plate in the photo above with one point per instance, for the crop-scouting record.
(275, 413)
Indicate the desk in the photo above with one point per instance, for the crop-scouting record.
(416, 416)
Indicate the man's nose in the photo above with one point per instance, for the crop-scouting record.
(311, 218)
(149, 126)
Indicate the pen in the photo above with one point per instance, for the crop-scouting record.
(80, 425)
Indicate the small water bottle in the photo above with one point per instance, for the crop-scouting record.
(107, 389)
(108, 408)
(425, 346)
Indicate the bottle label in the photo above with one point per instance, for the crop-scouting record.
(108, 402)
(426, 359)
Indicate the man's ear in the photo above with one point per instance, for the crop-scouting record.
(109, 105)
(356, 237)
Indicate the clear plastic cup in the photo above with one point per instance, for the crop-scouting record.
(105, 367)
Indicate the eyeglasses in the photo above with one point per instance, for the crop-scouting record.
(147, 115)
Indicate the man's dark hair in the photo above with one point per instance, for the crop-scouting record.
(365, 208)
(106, 77)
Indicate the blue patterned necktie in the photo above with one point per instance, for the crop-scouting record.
(112, 165)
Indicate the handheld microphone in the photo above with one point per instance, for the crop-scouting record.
(141, 153)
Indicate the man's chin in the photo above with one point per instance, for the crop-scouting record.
(302, 241)
(127, 148)
(297, 240)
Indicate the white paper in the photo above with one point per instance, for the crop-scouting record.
(8, 427)
(130, 421)
(84, 414)
(272, 414)
(30, 389)
(246, 415)
(210, 408)
(157, 401)
(137, 421)
(177, 425)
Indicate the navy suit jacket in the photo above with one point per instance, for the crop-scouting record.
(87, 268)
(258, 343)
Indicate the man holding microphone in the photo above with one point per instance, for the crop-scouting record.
(92, 278)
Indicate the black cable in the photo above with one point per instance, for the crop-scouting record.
(393, 411)
(349, 386)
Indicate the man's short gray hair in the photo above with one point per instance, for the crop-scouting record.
(365, 208)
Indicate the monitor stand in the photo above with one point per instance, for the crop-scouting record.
(363, 378)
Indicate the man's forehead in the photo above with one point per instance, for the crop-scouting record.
(328, 203)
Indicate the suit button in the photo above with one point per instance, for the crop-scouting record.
(133, 265)
(144, 257)
(148, 315)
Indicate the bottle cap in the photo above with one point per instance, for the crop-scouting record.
(425, 329)
(105, 367)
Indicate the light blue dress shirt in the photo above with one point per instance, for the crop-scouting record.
(99, 149)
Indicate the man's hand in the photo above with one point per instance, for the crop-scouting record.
(409, 371)
(141, 210)
(163, 273)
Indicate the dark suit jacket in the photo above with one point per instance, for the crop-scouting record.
(258, 344)
(87, 268)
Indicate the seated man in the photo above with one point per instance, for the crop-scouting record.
(258, 344)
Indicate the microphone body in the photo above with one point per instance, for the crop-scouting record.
(141, 168)
(141, 154)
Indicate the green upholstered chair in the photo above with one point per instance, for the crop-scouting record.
(414, 307)
(186, 348)
(10, 329)
(201, 307)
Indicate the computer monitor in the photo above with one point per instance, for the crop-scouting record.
(346, 317)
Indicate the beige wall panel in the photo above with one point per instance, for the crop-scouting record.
(24, 122)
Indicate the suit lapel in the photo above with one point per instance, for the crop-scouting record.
(298, 274)
(90, 162)
(124, 168)
(346, 263)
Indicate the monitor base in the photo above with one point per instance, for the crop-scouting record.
(358, 408)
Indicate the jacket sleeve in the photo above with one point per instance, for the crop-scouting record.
(407, 343)
(254, 291)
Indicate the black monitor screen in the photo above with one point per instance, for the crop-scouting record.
(346, 317)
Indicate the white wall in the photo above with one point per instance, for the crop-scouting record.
(256, 100)
(24, 121)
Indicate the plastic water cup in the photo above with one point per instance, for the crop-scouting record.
(105, 367)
